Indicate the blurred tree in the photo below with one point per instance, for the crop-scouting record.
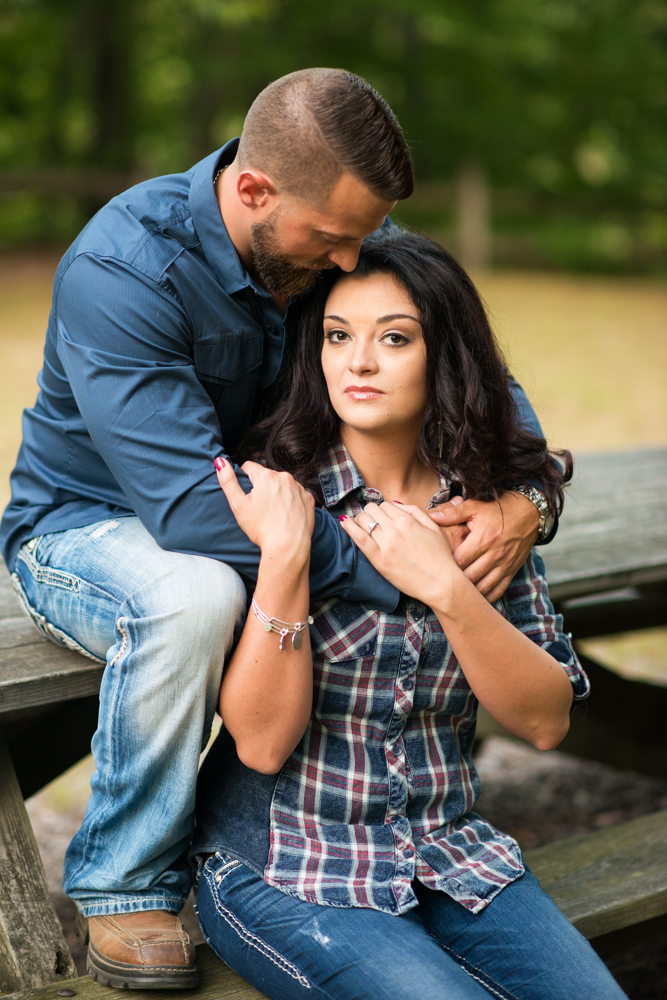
(563, 100)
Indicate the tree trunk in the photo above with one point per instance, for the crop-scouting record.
(473, 209)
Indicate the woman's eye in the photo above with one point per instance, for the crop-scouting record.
(395, 339)
(337, 336)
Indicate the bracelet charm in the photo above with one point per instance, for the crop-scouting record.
(270, 624)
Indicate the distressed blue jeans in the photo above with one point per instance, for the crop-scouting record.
(162, 622)
(520, 947)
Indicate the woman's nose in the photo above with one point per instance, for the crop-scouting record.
(363, 361)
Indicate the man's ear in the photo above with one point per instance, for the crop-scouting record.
(255, 188)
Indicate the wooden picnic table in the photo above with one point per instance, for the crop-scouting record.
(607, 569)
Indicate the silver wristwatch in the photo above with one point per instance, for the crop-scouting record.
(547, 516)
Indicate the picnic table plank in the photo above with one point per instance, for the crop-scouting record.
(607, 880)
(217, 981)
(42, 673)
(9, 605)
(613, 532)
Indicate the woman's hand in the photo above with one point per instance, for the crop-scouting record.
(267, 688)
(519, 683)
(278, 515)
(407, 548)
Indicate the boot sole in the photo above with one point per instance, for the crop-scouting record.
(140, 977)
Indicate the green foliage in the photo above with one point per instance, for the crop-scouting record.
(557, 98)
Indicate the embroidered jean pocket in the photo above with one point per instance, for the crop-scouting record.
(42, 624)
(29, 556)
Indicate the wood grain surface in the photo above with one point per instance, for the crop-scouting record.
(217, 982)
(613, 532)
(607, 880)
(33, 950)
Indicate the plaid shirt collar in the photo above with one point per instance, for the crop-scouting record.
(339, 477)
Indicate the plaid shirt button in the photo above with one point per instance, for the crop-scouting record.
(384, 775)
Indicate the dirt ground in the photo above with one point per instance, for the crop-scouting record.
(537, 797)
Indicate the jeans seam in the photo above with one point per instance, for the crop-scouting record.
(482, 978)
(123, 645)
(253, 940)
(143, 899)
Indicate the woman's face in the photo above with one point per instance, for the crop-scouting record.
(374, 355)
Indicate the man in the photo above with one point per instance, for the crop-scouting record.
(166, 330)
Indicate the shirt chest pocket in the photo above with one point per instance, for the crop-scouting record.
(229, 370)
(342, 631)
(231, 358)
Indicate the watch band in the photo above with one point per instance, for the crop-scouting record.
(543, 509)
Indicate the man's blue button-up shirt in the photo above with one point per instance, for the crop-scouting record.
(158, 347)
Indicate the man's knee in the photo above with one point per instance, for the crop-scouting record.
(199, 601)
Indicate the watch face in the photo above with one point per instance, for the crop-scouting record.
(548, 523)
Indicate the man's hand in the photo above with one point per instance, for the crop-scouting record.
(499, 537)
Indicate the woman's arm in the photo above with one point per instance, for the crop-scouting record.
(524, 688)
(266, 694)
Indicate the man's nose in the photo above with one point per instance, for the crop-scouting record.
(346, 259)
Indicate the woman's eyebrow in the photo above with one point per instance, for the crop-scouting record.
(388, 319)
(338, 319)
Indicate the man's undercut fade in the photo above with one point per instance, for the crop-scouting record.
(307, 128)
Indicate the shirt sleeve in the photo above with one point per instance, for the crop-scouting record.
(125, 343)
(529, 422)
(527, 605)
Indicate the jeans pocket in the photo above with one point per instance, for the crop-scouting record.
(49, 577)
(227, 908)
(28, 555)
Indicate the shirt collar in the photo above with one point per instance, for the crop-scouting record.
(339, 476)
(216, 243)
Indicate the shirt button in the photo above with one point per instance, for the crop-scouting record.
(408, 852)
(408, 684)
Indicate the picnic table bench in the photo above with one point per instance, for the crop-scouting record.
(608, 572)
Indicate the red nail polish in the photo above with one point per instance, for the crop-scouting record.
(219, 463)
(343, 517)
(400, 501)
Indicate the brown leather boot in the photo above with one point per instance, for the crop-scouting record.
(147, 950)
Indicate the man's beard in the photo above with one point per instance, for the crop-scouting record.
(277, 273)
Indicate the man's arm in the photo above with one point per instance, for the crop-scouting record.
(491, 541)
(125, 344)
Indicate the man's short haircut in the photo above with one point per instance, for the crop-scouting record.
(307, 128)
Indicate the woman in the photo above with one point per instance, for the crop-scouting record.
(338, 853)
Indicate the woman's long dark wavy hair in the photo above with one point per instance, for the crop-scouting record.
(471, 425)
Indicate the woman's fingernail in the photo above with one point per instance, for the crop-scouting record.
(400, 501)
(219, 463)
(343, 517)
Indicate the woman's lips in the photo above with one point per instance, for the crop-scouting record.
(363, 392)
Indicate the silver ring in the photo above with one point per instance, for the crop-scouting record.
(370, 527)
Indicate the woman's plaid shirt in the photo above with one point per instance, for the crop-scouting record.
(380, 789)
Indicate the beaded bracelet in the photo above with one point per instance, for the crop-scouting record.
(283, 628)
